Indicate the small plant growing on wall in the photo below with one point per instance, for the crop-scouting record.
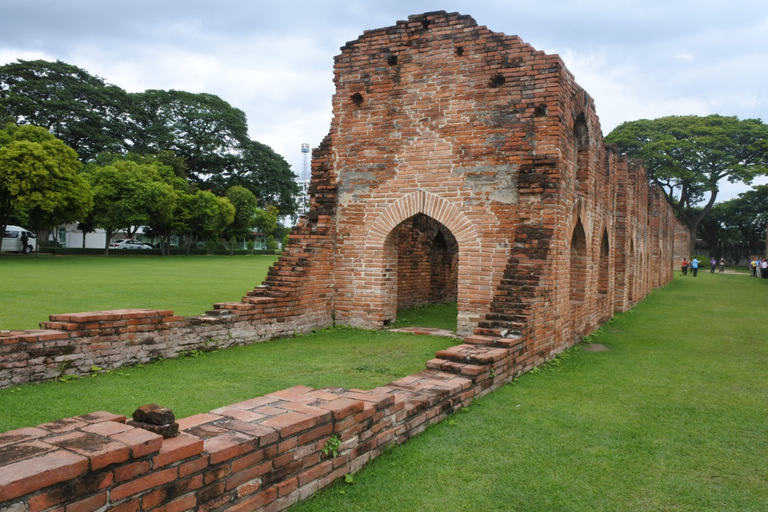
(332, 446)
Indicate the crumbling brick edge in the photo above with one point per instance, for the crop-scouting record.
(265, 453)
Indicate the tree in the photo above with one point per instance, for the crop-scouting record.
(203, 129)
(39, 179)
(688, 156)
(266, 174)
(89, 115)
(205, 216)
(166, 191)
(742, 221)
(211, 136)
(266, 220)
(245, 209)
(127, 195)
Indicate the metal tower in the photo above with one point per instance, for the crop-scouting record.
(304, 180)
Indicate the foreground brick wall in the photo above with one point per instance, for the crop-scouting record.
(440, 126)
(260, 454)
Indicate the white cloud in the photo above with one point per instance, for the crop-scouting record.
(275, 60)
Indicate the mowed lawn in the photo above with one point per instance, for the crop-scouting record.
(32, 289)
(672, 417)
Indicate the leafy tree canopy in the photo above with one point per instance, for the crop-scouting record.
(128, 194)
(39, 179)
(88, 114)
(207, 215)
(266, 174)
(201, 136)
(266, 220)
(206, 131)
(742, 221)
(245, 209)
(689, 156)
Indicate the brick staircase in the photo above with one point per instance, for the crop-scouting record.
(482, 359)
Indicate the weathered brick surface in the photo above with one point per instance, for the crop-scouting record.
(461, 164)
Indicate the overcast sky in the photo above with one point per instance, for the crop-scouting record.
(274, 59)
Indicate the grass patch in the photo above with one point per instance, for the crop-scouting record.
(202, 382)
(674, 416)
(435, 316)
(35, 288)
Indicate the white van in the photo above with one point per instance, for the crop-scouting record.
(12, 240)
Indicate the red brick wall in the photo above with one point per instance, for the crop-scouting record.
(439, 126)
(265, 453)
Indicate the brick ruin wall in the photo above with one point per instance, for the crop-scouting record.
(461, 165)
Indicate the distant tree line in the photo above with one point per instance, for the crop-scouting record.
(688, 158)
(76, 149)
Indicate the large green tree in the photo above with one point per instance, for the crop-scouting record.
(689, 157)
(203, 129)
(205, 216)
(266, 174)
(129, 194)
(741, 222)
(211, 136)
(39, 179)
(204, 138)
(88, 114)
(245, 210)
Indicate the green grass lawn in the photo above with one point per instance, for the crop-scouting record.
(350, 358)
(436, 316)
(35, 288)
(674, 416)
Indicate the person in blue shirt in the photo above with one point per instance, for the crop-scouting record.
(695, 266)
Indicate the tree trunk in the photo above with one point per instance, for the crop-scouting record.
(692, 240)
(109, 239)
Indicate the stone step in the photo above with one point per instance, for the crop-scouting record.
(473, 354)
(515, 327)
(258, 299)
(471, 371)
(487, 331)
(509, 341)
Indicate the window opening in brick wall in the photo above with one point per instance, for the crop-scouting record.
(578, 260)
(357, 99)
(581, 153)
(427, 263)
(603, 279)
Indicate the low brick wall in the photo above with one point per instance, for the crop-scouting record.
(261, 454)
(71, 344)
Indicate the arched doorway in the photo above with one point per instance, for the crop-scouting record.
(427, 262)
(578, 280)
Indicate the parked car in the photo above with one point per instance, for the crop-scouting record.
(128, 243)
(13, 240)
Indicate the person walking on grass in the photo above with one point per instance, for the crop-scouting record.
(722, 265)
(764, 268)
(712, 265)
(695, 266)
(684, 267)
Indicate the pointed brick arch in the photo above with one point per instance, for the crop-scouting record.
(430, 205)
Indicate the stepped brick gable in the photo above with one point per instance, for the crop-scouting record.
(461, 165)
